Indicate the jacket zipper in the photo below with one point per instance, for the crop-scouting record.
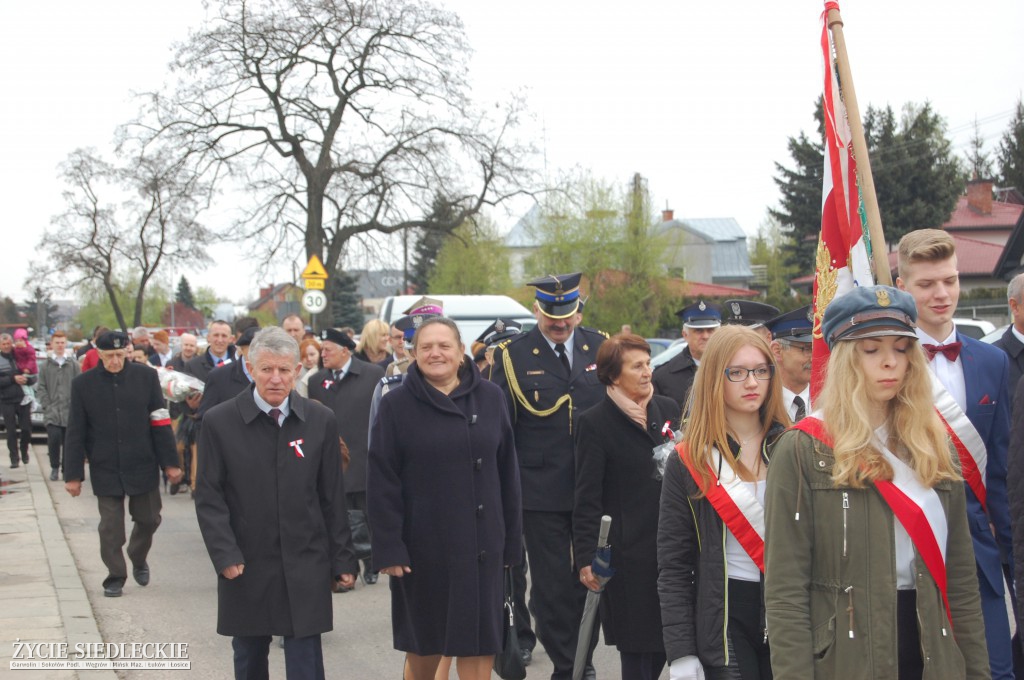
(846, 506)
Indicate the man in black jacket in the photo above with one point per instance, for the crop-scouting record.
(345, 385)
(17, 409)
(119, 422)
(1012, 341)
(674, 379)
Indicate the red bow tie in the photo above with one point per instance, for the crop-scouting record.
(950, 351)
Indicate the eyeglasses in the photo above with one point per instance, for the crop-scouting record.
(737, 374)
(802, 347)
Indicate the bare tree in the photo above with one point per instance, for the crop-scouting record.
(124, 223)
(340, 118)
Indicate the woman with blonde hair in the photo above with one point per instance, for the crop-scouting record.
(373, 343)
(869, 565)
(711, 523)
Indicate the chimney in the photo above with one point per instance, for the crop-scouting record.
(667, 214)
(979, 196)
(264, 292)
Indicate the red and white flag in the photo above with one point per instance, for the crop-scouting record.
(842, 260)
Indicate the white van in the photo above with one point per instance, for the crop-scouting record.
(471, 313)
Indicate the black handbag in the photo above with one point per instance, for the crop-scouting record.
(508, 664)
(360, 534)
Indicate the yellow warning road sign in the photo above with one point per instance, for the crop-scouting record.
(314, 269)
(314, 284)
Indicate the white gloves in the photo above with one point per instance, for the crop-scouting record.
(686, 668)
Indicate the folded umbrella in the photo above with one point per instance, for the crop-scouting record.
(602, 569)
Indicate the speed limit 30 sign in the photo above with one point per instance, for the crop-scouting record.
(314, 301)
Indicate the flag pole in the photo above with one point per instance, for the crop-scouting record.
(879, 251)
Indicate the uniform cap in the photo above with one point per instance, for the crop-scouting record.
(498, 331)
(246, 338)
(795, 326)
(701, 314)
(869, 312)
(426, 305)
(558, 295)
(748, 312)
(409, 324)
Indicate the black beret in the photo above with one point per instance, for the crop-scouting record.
(338, 338)
(112, 340)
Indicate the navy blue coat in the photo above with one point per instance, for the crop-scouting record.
(443, 498)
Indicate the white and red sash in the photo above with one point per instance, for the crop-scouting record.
(739, 509)
(970, 447)
(900, 497)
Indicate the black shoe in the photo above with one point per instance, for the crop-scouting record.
(24, 457)
(14, 465)
(53, 475)
(113, 590)
(175, 488)
(141, 574)
(526, 655)
(369, 577)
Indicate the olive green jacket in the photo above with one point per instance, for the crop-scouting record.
(830, 577)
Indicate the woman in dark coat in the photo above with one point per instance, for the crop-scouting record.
(444, 501)
(616, 476)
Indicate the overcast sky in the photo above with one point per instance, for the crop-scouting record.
(698, 97)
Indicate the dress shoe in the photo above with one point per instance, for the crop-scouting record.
(113, 590)
(141, 574)
(369, 577)
(53, 475)
(175, 488)
(526, 655)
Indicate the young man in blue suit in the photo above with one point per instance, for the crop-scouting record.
(974, 383)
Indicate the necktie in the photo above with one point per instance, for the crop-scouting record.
(337, 376)
(950, 351)
(220, 362)
(275, 415)
(801, 408)
(563, 357)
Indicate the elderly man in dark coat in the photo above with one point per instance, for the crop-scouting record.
(119, 422)
(345, 385)
(271, 507)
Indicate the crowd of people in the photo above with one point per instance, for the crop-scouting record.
(869, 528)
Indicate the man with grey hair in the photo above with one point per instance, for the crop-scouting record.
(1012, 341)
(270, 500)
(142, 339)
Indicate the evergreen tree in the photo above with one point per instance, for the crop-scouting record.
(979, 165)
(918, 178)
(184, 294)
(431, 239)
(345, 307)
(1011, 151)
(40, 310)
(799, 212)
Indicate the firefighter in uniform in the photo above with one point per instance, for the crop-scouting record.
(549, 377)
(673, 379)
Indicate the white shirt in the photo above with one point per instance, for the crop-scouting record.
(343, 370)
(738, 562)
(1017, 334)
(568, 346)
(262, 404)
(949, 373)
(787, 399)
(165, 358)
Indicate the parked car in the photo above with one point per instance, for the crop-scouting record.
(471, 313)
(974, 328)
(670, 353)
(658, 345)
(995, 335)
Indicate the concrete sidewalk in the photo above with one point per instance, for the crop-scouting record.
(41, 594)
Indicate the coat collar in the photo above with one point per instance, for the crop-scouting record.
(250, 411)
(470, 379)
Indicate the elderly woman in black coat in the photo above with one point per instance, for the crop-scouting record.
(444, 502)
(616, 475)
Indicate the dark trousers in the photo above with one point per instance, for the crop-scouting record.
(908, 638)
(303, 657)
(556, 594)
(749, 656)
(357, 501)
(641, 665)
(145, 513)
(55, 435)
(524, 630)
(17, 417)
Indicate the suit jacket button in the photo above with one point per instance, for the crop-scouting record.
(478, 463)
(479, 510)
(481, 556)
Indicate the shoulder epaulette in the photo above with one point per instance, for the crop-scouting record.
(508, 341)
(594, 331)
(392, 379)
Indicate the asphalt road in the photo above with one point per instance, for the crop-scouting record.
(180, 603)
